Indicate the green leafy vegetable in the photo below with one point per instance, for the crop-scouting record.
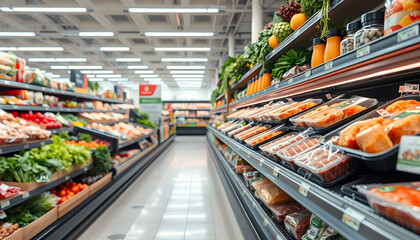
(310, 7)
(84, 136)
(64, 135)
(289, 60)
(101, 159)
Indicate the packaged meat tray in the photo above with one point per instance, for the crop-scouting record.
(244, 168)
(268, 135)
(225, 125)
(280, 211)
(250, 175)
(240, 129)
(287, 155)
(297, 223)
(374, 137)
(293, 109)
(334, 113)
(272, 195)
(265, 147)
(256, 185)
(237, 113)
(251, 132)
(233, 126)
(398, 202)
(325, 163)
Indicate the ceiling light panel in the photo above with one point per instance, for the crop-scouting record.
(57, 59)
(180, 49)
(187, 72)
(96, 79)
(17, 34)
(186, 67)
(187, 76)
(84, 67)
(184, 59)
(152, 79)
(188, 79)
(143, 71)
(112, 49)
(148, 75)
(137, 67)
(173, 10)
(8, 48)
(118, 79)
(42, 49)
(108, 76)
(128, 59)
(45, 9)
(179, 34)
(96, 34)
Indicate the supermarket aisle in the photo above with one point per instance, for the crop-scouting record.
(179, 196)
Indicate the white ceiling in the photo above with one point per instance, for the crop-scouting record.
(61, 29)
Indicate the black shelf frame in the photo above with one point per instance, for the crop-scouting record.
(16, 147)
(13, 201)
(78, 219)
(324, 203)
(192, 109)
(54, 109)
(129, 143)
(185, 130)
(220, 109)
(56, 92)
(59, 130)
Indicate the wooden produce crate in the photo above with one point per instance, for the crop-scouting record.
(40, 224)
(68, 205)
(100, 184)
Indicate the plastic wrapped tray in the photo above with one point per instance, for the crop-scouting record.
(399, 202)
(266, 136)
(264, 147)
(333, 114)
(293, 109)
(226, 125)
(240, 129)
(251, 132)
(288, 154)
(382, 161)
(233, 127)
(326, 164)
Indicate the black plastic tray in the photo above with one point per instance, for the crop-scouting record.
(334, 182)
(383, 161)
(113, 140)
(337, 124)
(284, 130)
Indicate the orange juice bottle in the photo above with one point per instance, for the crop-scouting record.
(248, 88)
(318, 52)
(266, 80)
(332, 48)
(260, 82)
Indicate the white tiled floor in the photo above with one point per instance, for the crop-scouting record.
(179, 196)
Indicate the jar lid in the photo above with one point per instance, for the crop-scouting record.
(267, 71)
(356, 25)
(372, 16)
(317, 41)
(334, 32)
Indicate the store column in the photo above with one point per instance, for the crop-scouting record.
(231, 41)
(257, 19)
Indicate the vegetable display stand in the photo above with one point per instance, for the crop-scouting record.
(68, 205)
(123, 166)
(74, 168)
(32, 185)
(100, 183)
(16, 235)
(96, 134)
(40, 224)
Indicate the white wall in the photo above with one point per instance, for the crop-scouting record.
(184, 94)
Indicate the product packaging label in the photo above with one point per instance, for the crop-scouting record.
(409, 155)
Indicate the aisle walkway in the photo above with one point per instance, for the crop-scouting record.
(179, 196)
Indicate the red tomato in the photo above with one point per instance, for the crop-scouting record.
(70, 195)
(73, 184)
(75, 189)
(85, 186)
(62, 193)
(53, 191)
(63, 199)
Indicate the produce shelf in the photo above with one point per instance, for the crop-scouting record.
(55, 92)
(16, 147)
(59, 130)
(121, 167)
(78, 219)
(371, 65)
(128, 143)
(221, 109)
(10, 202)
(54, 109)
(263, 225)
(192, 109)
(326, 204)
(219, 97)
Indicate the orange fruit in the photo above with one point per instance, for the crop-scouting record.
(273, 42)
(297, 21)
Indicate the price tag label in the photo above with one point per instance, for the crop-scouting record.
(2, 215)
(6, 82)
(276, 171)
(265, 222)
(363, 51)
(406, 160)
(5, 204)
(383, 113)
(43, 88)
(290, 81)
(85, 169)
(247, 155)
(67, 178)
(308, 73)
(47, 107)
(408, 33)
(42, 143)
(15, 107)
(328, 96)
(243, 192)
(352, 218)
(261, 162)
(277, 85)
(304, 189)
(278, 237)
(25, 195)
(328, 65)
(253, 204)
(401, 89)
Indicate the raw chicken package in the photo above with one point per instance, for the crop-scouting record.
(244, 168)
(280, 211)
(251, 132)
(239, 129)
(263, 137)
(292, 109)
(288, 154)
(297, 223)
(272, 195)
(398, 202)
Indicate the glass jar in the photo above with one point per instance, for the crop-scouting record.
(318, 52)
(372, 28)
(332, 48)
(347, 44)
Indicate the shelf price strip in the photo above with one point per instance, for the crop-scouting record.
(304, 189)
(276, 171)
(352, 218)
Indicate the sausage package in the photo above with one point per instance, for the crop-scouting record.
(297, 223)
(282, 210)
(251, 132)
(265, 136)
(293, 109)
(272, 195)
(288, 154)
(239, 129)
(244, 168)
(399, 202)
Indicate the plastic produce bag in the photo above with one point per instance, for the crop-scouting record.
(297, 223)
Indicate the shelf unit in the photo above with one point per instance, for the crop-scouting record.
(16, 147)
(262, 225)
(54, 109)
(325, 203)
(55, 92)
(192, 109)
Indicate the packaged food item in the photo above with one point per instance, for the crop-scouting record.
(332, 49)
(315, 230)
(318, 52)
(399, 202)
(238, 130)
(252, 180)
(226, 124)
(250, 175)
(297, 223)
(330, 234)
(265, 136)
(287, 142)
(272, 195)
(251, 132)
(233, 126)
(372, 28)
(401, 106)
(256, 185)
(293, 109)
(7, 66)
(347, 44)
(280, 211)
(290, 153)
(295, 71)
(265, 147)
(7, 191)
(244, 168)
(400, 13)
(325, 163)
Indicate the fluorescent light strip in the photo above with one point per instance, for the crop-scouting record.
(118, 79)
(84, 67)
(95, 79)
(98, 71)
(188, 49)
(55, 75)
(41, 59)
(152, 79)
(110, 49)
(143, 71)
(188, 79)
(187, 72)
(186, 67)
(187, 76)
(148, 75)
(128, 59)
(184, 59)
(58, 67)
(45, 9)
(57, 59)
(137, 67)
(96, 34)
(90, 75)
(17, 34)
(109, 76)
(173, 10)
(8, 48)
(57, 49)
(179, 34)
